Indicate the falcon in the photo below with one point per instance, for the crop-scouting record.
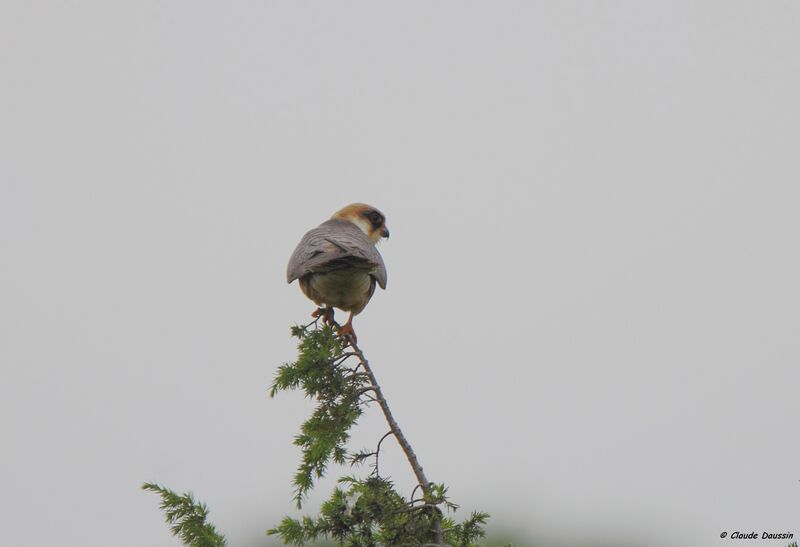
(337, 265)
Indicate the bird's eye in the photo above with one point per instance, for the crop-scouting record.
(375, 218)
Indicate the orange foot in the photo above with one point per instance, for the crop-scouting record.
(325, 313)
(347, 330)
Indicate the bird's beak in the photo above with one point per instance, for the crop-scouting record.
(385, 232)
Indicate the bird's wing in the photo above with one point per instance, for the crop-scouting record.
(335, 244)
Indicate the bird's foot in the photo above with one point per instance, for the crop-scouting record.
(326, 314)
(346, 331)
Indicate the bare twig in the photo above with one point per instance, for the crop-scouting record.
(314, 322)
(344, 357)
(377, 452)
(414, 491)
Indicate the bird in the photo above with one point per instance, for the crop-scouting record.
(337, 264)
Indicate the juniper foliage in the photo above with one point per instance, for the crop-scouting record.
(371, 512)
(187, 518)
(364, 512)
(360, 512)
(322, 373)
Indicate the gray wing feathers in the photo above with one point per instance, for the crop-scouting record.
(334, 240)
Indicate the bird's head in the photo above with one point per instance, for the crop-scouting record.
(367, 218)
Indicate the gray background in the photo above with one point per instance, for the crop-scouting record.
(590, 328)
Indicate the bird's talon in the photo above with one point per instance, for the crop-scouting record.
(346, 331)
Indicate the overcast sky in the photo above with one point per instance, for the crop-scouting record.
(590, 328)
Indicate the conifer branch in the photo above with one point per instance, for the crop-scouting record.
(360, 512)
(187, 518)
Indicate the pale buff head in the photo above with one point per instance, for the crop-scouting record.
(370, 220)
